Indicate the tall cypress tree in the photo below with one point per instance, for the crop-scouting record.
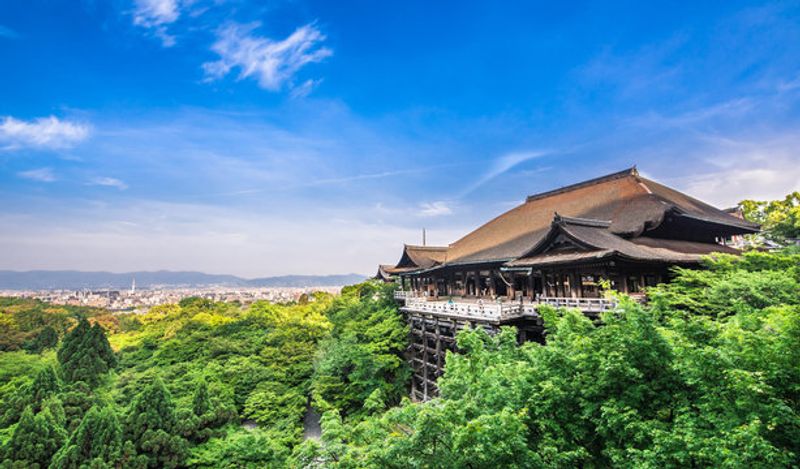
(152, 427)
(35, 440)
(97, 442)
(100, 343)
(45, 384)
(85, 354)
(77, 399)
(200, 401)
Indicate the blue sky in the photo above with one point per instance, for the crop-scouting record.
(261, 138)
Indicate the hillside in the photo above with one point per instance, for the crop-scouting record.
(76, 280)
(704, 375)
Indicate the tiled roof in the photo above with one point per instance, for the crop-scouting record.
(631, 203)
(420, 257)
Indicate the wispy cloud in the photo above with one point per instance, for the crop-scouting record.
(156, 15)
(44, 132)
(500, 165)
(789, 85)
(763, 167)
(727, 109)
(334, 181)
(435, 209)
(303, 90)
(8, 33)
(39, 175)
(273, 63)
(109, 182)
(146, 235)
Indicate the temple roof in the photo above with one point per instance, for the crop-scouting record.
(384, 272)
(631, 205)
(419, 257)
(571, 240)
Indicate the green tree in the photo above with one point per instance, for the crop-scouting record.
(44, 385)
(365, 352)
(729, 285)
(85, 354)
(77, 399)
(196, 302)
(97, 442)
(201, 403)
(779, 219)
(206, 416)
(254, 449)
(35, 440)
(152, 427)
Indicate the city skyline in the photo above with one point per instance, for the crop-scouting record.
(309, 138)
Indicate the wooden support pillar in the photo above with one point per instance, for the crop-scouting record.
(439, 364)
(531, 286)
(424, 361)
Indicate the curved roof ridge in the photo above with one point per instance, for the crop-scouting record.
(425, 248)
(456, 247)
(632, 171)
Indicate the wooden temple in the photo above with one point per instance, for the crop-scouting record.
(561, 247)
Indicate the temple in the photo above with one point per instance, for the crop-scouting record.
(563, 248)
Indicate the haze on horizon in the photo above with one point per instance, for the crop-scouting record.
(311, 137)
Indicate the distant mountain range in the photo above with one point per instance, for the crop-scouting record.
(77, 280)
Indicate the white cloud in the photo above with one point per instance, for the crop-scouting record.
(272, 63)
(303, 90)
(109, 182)
(44, 132)
(141, 235)
(156, 15)
(765, 168)
(789, 85)
(435, 209)
(727, 110)
(501, 165)
(39, 175)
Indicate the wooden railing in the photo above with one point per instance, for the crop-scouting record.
(588, 305)
(477, 309)
(498, 311)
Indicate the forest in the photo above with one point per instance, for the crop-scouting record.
(705, 374)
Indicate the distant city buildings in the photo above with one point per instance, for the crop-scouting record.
(141, 300)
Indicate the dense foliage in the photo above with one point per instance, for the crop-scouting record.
(362, 360)
(197, 384)
(779, 219)
(708, 375)
(33, 325)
